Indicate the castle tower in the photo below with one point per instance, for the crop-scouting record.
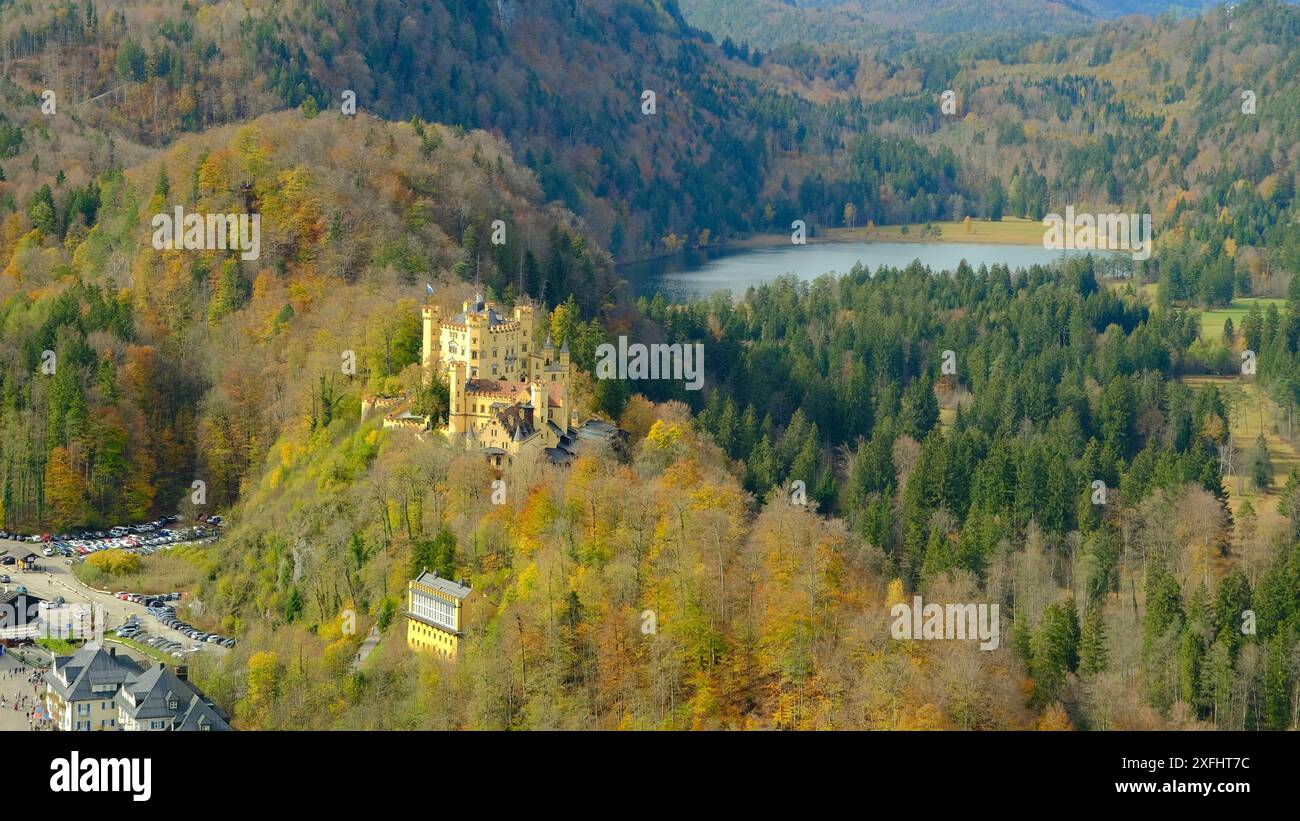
(524, 316)
(539, 396)
(429, 313)
(476, 323)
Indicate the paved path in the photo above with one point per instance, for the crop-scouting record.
(367, 647)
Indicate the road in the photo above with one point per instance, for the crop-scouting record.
(367, 647)
(56, 579)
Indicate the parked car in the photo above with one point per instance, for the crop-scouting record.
(4, 578)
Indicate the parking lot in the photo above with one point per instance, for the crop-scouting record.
(54, 580)
(152, 632)
(143, 539)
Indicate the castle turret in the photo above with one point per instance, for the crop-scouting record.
(524, 316)
(539, 396)
(429, 313)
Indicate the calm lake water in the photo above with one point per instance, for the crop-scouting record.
(698, 274)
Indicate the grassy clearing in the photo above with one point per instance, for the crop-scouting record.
(1212, 320)
(1146, 292)
(59, 647)
(180, 568)
(1250, 411)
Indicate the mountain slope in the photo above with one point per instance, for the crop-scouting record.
(769, 24)
(174, 365)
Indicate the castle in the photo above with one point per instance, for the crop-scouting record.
(508, 399)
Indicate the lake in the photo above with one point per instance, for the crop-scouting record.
(700, 273)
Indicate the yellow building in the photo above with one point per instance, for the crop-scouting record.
(81, 689)
(433, 614)
(490, 345)
(507, 400)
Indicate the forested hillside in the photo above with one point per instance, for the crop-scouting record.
(772, 24)
(178, 366)
(716, 159)
(901, 24)
(1125, 614)
(740, 141)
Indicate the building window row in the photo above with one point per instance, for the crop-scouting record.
(439, 611)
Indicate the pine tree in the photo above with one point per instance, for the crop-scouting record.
(1217, 681)
(762, 473)
(40, 209)
(1094, 656)
(1289, 504)
(1191, 654)
(1277, 684)
(1231, 600)
(294, 607)
(1261, 466)
(1054, 651)
(230, 292)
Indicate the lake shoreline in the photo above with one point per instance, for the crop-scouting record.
(736, 266)
(1009, 231)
